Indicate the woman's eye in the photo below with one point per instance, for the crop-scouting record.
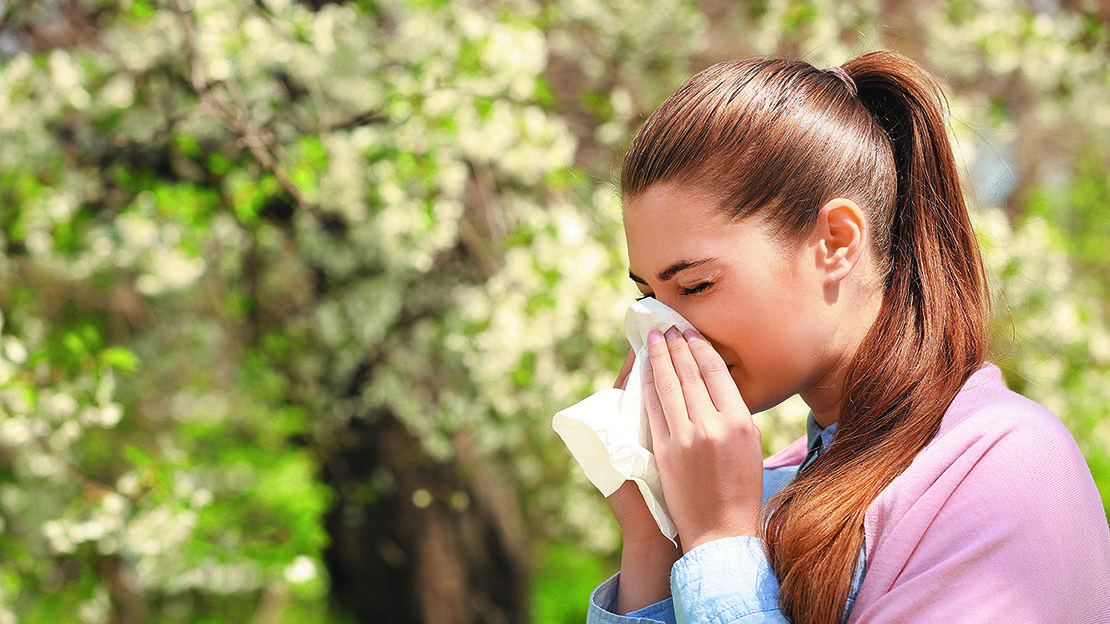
(693, 290)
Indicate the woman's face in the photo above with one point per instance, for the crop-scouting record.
(757, 302)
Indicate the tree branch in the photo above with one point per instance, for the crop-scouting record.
(223, 98)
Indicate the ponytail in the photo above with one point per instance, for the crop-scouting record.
(929, 337)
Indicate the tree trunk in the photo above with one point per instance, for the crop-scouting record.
(416, 540)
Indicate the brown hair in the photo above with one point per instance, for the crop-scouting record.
(778, 139)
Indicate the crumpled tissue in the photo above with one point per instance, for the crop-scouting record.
(608, 432)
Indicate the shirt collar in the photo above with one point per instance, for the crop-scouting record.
(815, 432)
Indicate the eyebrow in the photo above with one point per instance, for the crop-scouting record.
(671, 271)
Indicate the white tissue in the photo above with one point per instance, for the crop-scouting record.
(608, 432)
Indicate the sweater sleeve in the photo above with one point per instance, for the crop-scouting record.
(997, 520)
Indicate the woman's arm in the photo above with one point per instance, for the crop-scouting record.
(646, 555)
(710, 460)
(728, 578)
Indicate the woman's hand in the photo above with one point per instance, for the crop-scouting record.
(626, 370)
(646, 555)
(628, 506)
(708, 450)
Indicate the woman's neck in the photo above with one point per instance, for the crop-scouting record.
(848, 328)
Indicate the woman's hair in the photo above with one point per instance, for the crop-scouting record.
(777, 139)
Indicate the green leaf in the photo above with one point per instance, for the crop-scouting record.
(140, 11)
(137, 456)
(119, 358)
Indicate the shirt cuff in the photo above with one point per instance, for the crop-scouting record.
(726, 580)
(603, 603)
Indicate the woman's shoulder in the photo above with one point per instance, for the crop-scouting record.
(1000, 435)
(1000, 462)
(986, 408)
(1002, 487)
(991, 434)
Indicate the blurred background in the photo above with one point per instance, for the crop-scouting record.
(290, 289)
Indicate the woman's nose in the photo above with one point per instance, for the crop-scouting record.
(676, 303)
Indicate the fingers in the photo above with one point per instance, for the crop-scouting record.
(664, 379)
(718, 382)
(677, 379)
(652, 405)
(690, 375)
(626, 369)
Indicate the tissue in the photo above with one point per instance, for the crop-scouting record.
(608, 432)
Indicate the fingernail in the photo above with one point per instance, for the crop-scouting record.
(691, 335)
(647, 364)
(671, 333)
(654, 336)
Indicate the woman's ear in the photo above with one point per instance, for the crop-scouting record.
(840, 234)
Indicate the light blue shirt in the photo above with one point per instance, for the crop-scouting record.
(723, 581)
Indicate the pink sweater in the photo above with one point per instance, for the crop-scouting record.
(996, 520)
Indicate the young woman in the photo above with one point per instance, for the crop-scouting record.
(810, 224)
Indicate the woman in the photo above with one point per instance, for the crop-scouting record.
(811, 225)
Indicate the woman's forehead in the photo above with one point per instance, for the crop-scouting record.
(667, 226)
(680, 206)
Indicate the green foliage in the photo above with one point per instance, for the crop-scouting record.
(1078, 210)
(564, 581)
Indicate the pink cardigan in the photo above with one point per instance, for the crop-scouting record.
(997, 520)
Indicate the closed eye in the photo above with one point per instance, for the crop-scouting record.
(693, 290)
